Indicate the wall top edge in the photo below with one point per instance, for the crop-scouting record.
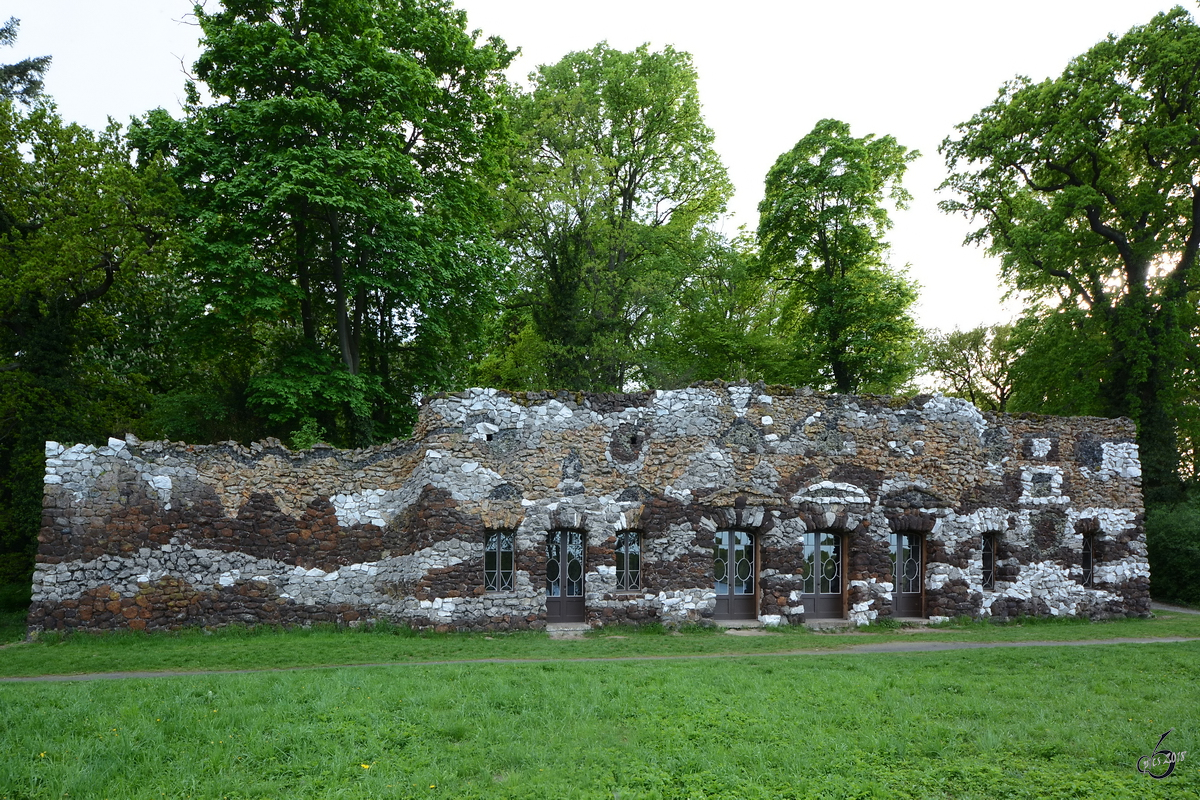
(714, 394)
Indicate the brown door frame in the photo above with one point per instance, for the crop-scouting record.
(813, 613)
(734, 606)
(898, 608)
(565, 607)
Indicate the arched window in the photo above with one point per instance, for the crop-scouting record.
(629, 560)
(989, 560)
(498, 558)
(1089, 547)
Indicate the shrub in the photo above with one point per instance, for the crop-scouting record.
(1173, 541)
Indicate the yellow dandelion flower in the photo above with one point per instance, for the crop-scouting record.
(41, 755)
(365, 766)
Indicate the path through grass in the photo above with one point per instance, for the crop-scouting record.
(264, 648)
(1007, 723)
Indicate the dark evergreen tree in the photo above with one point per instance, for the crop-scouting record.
(21, 81)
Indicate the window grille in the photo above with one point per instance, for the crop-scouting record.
(629, 560)
(989, 561)
(498, 558)
(1089, 546)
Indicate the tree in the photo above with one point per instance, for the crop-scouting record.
(1086, 187)
(976, 365)
(21, 81)
(725, 324)
(340, 187)
(78, 226)
(821, 229)
(614, 174)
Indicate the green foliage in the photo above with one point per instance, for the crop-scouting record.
(976, 365)
(339, 190)
(1062, 364)
(1173, 542)
(1085, 187)
(614, 172)
(308, 434)
(83, 239)
(22, 81)
(726, 325)
(821, 233)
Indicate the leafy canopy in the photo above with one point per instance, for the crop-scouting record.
(339, 190)
(84, 239)
(22, 81)
(1086, 187)
(821, 229)
(614, 174)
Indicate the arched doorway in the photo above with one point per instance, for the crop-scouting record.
(908, 571)
(735, 576)
(822, 593)
(564, 577)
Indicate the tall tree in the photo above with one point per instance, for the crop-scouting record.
(22, 81)
(615, 172)
(976, 365)
(1086, 187)
(821, 230)
(725, 324)
(78, 226)
(340, 184)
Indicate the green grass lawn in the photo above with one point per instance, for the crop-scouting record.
(1057, 722)
(259, 648)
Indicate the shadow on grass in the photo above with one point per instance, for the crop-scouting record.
(12, 626)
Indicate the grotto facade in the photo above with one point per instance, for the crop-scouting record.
(516, 510)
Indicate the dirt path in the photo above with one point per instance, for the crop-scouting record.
(875, 647)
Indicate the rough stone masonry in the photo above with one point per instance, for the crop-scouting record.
(854, 507)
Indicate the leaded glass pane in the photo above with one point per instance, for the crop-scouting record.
(498, 561)
(574, 556)
(989, 561)
(743, 563)
(629, 560)
(1089, 575)
(721, 563)
(553, 565)
(831, 563)
(809, 581)
(912, 564)
(906, 562)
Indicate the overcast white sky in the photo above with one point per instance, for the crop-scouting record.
(769, 70)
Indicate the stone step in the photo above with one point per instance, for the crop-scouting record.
(567, 630)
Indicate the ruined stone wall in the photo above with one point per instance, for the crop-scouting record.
(157, 535)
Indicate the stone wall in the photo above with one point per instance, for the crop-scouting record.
(157, 535)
